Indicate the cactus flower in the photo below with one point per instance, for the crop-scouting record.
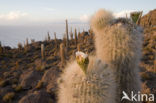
(82, 60)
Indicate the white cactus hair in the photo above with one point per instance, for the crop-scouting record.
(101, 19)
(97, 86)
(119, 44)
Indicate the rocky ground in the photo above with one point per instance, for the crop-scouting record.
(26, 78)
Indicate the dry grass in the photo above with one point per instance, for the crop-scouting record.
(8, 97)
(39, 85)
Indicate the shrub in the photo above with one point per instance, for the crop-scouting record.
(3, 83)
(18, 88)
(39, 85)
(8, 97)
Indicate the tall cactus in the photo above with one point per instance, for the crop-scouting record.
(48, 35)
(71, 34)
(1, 48)
(27, 42)
(118, 43)
(96, 86)
(75, 37)
(55, 36)
(67, 37)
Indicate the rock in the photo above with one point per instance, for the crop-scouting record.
(5, 90)
(49, 79)
(36, 97)
(30, 79)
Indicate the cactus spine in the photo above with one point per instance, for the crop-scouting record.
(97, 86)
(118, 43)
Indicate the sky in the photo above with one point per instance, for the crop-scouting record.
(21, 12)
(32, 19)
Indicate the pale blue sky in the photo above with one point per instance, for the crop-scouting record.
(21, 19)
(20, 11)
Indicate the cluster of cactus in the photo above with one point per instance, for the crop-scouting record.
(114, 68)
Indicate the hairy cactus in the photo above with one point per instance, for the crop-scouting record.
(118, 43)
(97, 85)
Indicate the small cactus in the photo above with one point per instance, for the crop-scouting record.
(42, 51)
(20, 46)
(62, 54)
(136, 16)
(32, 40)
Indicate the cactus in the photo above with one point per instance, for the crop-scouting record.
(75, 37)
(71, 34)
(96, 86)
(27, 42)
(1, 48)
(118, 43)
(42, 51)
(32, 40)
(62, 54)
(55, 38)
(78, 47)
(48, 36)
(136, 16)
(67, 38)
(20, 46)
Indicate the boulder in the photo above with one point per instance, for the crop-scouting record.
(49, 79)
(29, 79)
(36, 97)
